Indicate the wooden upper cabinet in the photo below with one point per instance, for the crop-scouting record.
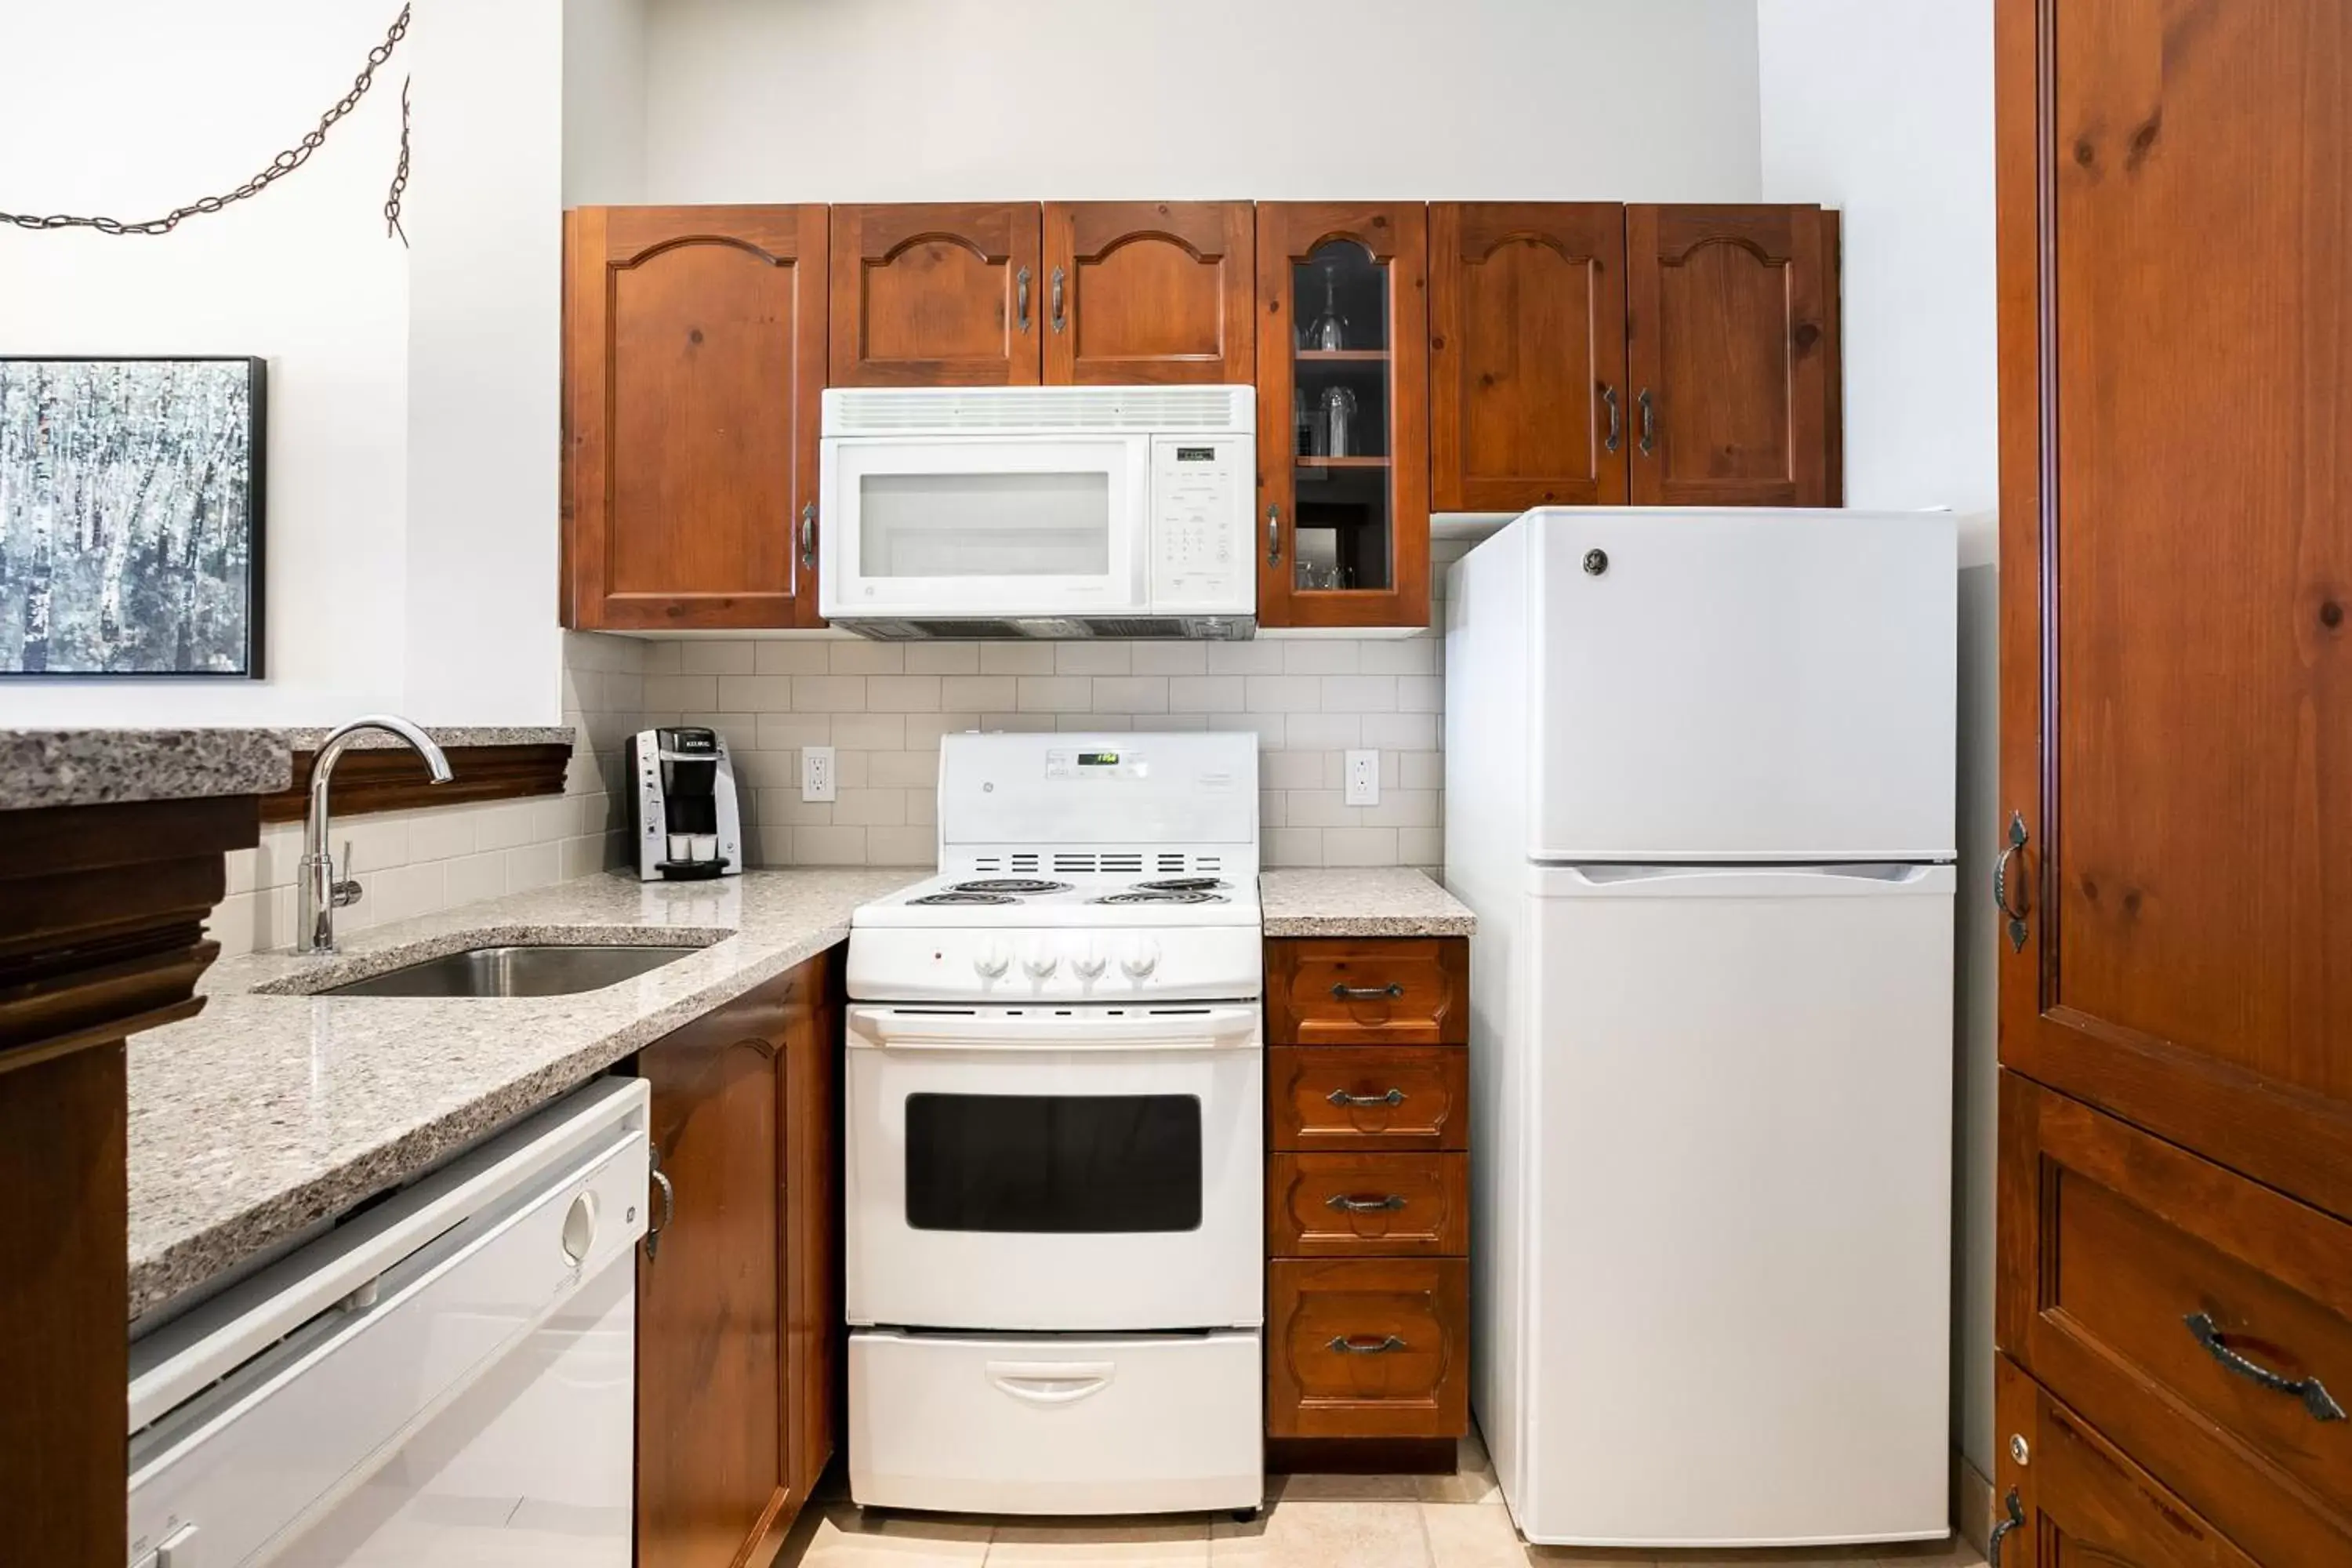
(1526, 355)
(1731, 335)
(2176, 403)
(693, 356)
(1146, 292)
(937, 294)
(1343, 414)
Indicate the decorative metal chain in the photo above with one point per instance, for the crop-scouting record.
(285, 164)
(399, 171)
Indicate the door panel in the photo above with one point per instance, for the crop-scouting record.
(2176, 653)
(694, 356)
(1140, 293)
(1527, 355)
(811, 1111)
(936, 295)
(1729, 338)
(1367, 1348)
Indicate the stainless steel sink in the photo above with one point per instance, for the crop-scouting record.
(514, 972)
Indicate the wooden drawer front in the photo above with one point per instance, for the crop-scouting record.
(2131, 1255)
(1367, 1348)
(2083, 1502)
(1355, 991)
(1367, 1206)
(1357, 1101)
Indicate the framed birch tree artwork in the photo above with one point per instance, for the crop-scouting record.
(130, 517)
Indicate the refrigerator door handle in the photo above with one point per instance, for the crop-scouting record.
(1658, 880)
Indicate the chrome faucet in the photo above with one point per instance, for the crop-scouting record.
(321, 895)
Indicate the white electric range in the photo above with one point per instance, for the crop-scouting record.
(1055, 1148)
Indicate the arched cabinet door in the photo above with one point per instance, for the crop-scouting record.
(694, 353)
(936, 294)
(1526, 355)
(1148, 293)
(1731, 329)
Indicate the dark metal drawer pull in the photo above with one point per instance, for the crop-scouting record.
(1346, 1346)
(2016, 1519)
(1367, 993)
(1363, 1206)
(2314, 1394)
(1341, 1097)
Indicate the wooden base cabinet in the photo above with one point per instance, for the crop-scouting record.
(1368, 1231)
(738, 1277)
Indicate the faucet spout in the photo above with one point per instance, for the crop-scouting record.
(320, 894)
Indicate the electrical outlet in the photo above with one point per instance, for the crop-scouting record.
(1363, 778)
(816, 773)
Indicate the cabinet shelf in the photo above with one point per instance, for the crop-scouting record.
(1341, 356)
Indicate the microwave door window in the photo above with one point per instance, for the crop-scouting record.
(1032, 524)
(1054, 1165)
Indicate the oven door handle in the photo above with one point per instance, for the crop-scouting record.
(1051, 1382)
(1189, 1029)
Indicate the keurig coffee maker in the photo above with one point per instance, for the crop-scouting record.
(687, 824)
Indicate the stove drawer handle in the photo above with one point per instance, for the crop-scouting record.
(1347, 1205)
(1367, 992)
(2315, 1400)
(1341, 1097)
(1344, 1345)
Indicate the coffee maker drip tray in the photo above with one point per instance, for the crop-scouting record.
(691, 870)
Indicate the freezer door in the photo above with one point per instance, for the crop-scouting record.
(1743, 686)
(1738, 1238)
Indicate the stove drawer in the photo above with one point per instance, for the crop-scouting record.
(1367, 1206)
(1065, 1424)
(1360, 1098)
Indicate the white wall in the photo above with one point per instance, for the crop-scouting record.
(969, 99)
(1883, 109)
(303, 274)
(484, 362)
(603, 102)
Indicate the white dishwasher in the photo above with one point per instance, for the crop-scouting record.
(447, 1377)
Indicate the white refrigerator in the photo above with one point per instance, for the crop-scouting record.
(1700, 773)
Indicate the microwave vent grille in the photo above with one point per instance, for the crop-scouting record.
(948, 411)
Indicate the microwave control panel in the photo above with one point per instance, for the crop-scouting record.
(1200, 491)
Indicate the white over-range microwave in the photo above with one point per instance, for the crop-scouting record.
(1039, 511)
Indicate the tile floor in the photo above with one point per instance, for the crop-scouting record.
(1317, 1521)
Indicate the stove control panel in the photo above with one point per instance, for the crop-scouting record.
(1009, 964)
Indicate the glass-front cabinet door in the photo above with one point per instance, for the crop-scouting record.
(1343, 415)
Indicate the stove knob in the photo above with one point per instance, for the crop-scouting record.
(1089, 964)
(1141, 958)
(991, 961)
(1040, 962)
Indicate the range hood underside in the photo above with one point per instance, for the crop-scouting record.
(1049, 628)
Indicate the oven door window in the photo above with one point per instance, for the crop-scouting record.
(1054, 1165)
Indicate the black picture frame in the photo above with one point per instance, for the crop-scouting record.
(256, 576)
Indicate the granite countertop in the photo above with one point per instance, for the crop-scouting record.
(267, 1113)
(310, 740)
(1375, 901)
(105, 767)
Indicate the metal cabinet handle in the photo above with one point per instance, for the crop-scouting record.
(1341, 1097)
(1616, 418)
(1347, 1205)
(1059, 320)
(2017, 838)
(1273, 533)
(1649, 421)
(1367, 993)
(1347, 1346)
(2016, 1518)
(808, 536)
(668, 1212)
(2316, 1400)
(1021, 282)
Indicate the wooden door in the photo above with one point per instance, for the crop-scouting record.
(693, 355)
(1526, 355)
(713, 1476)
(1343, 291)
(1147, 292)
(2176, 572)
(1731, 331)
(936, 294)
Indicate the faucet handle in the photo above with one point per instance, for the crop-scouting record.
(347, 890)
